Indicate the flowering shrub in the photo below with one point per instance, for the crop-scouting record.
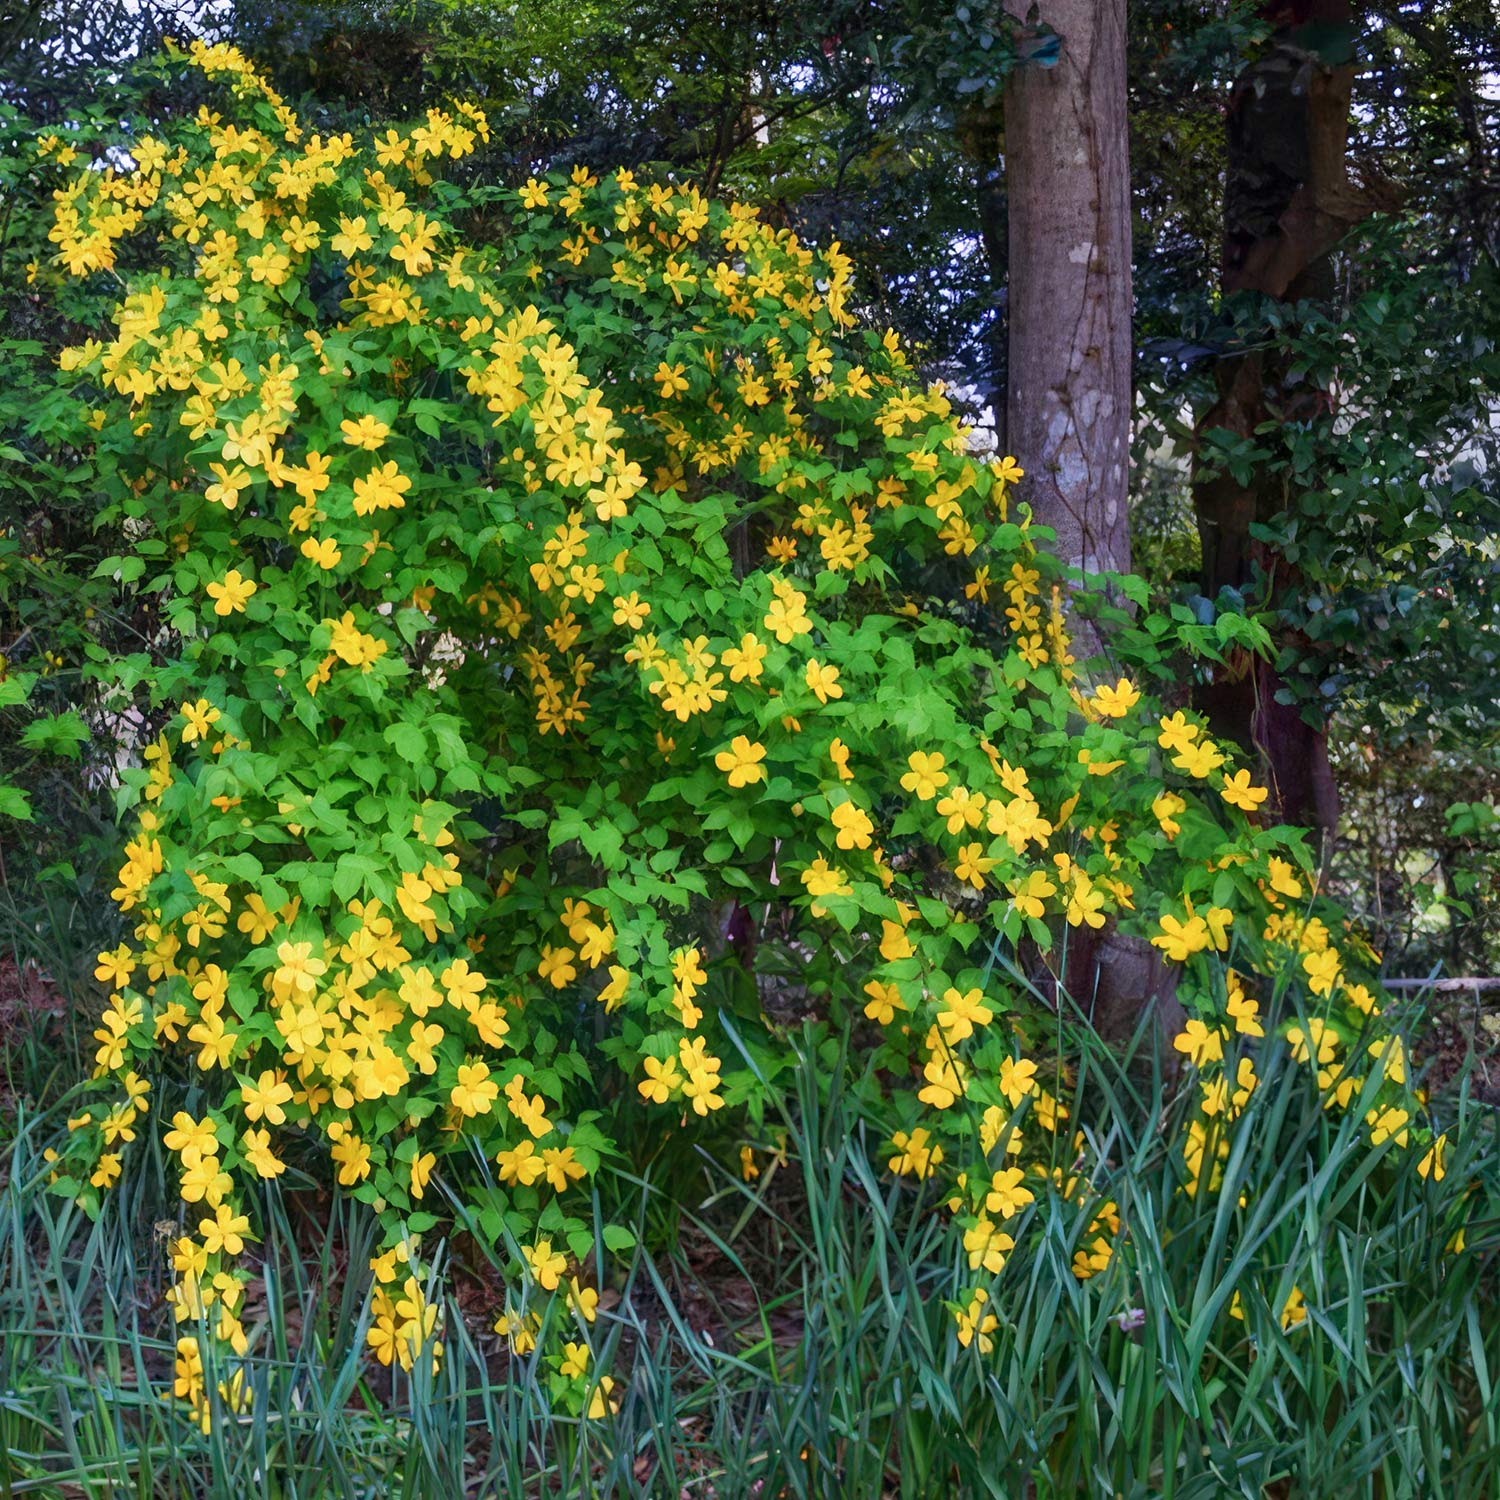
(540, 637)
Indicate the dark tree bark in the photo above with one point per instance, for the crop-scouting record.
(1068, 192)
(1289, 199)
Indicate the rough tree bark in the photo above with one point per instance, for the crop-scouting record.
(1067, 181)
(1068, 190)
(1289, 198)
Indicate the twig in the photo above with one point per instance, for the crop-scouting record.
(1442, 986)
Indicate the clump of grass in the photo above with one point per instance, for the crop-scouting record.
(819, 1361)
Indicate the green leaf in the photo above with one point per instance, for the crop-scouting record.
(62, 734)
(407, 740)
(14, 803)
(15, 688)
(605, 842)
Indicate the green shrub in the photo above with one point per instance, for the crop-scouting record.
(551, 701)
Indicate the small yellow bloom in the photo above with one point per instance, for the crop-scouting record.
(231, 596)
(1238, 792)
(367, 431)
(742, 761)
(855, 830)
(824, 681)
(323, 551)
(926, 777)
(1117, 701)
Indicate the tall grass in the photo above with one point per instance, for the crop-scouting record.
(816, 1357)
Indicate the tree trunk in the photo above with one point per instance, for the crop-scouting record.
(1068, 408)
(1068, 190)
(1288, 200)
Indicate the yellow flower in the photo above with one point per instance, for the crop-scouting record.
(521, 1331)
(854, 827)
(662, 1080)
(602, 1401)
(421, 1172)
(547, 1264)
(1198, 1044)
(1007, 471)
(353, 1158)
(1433, 1164)
(224, 1232)
(1283, 879)
(973, 865)
(1293, 1311)
(986, 1245)
(257, 1147)
(745, 661)
(475, 1091)
(1243, 1010)
(231, 596)
(824, 681)
(557, 967)
(226, 489)
(1030, 894)
(323, 551)
(914, 1157)
(823, 879)
(1199, 759)
(885, 1000)
(1217, 919)
(201, 717)
(962, 809)
(961, 1013)
(1239, 793)
(975, 1324)
(381, 489)
(1165, 810)
(1322, 971)
(1177, 733)
(671, 379)
(366, 431)
(742, 761)
(353, 236)
(115, 967)
(786, 618)
(584, 1300)
(1006, 1196)
(302, 234)
(263, 1099)
(1179, 939)
(1388, 1124)
(562, 1167)
(631, 611)
(926, 776)
(1017, 1079)
(1115, 702)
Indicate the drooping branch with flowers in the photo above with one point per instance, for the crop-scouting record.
(526, 607)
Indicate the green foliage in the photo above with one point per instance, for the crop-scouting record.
(548, 688)
(1377, 566)
(1418, 862)
(803, 1347)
